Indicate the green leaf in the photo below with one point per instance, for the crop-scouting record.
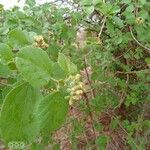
(58, 73)
(115, 9)
(95, 2)
(128, 13)
(131, 99)
(102, 141)
(118, 22)
(30, 2)
(63, 62)
(52, 112)
(110, 27)
(53, 51)
(130, 8)
(86, 3)
(4, 30)
(37, 146)
(18, 38)
(19, 121)
(143, 14)
(126, 1)
(66, 64)
(88, 9)
(143, 2)
(34, 65)
(130, 17)
(5, 52)
(4, 70)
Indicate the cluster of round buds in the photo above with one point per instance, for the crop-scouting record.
(139, 20)
(75, 88)
(39, 42)
(16, 145)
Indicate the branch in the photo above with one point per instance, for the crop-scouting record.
(124, 130)
(146, 48)
(90, 114)
(88, 77)
(102, 27)
(132, 72)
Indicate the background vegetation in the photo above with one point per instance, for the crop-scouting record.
(75, 77)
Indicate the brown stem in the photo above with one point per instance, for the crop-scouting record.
(124, 130)
(102, 27)
(131, 72)
(88, 77)
(90, 114)
(124, 93)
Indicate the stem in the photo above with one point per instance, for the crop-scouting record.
(131, 72)
(125, 131)
(146, 48)
(103, 24)
(90, 114)
(5, 84)
(88, 77)
(102, 27)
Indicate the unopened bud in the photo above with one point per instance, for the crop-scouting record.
(39, 38)
(79, 92)
(70, 102)
(139, 20)
(77, 77)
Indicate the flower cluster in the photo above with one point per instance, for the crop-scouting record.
(139, 20)
(75, 88)
(39, 42)
(16, 145)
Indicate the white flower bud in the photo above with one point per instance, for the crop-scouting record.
(79, 92)
(70, 102)
(78, 77)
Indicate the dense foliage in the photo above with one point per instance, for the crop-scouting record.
(75, 77)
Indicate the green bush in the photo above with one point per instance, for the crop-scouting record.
(92, 57)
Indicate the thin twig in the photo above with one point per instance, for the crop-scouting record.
(88, 77)
(124, 130)
(146, 48)
(5, 84)
(86, 98)
(124, 93)
(102, 27)
(131, 72)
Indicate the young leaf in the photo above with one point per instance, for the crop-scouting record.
(52, 112)
(88, 9)
(18, 118)
(5, 52)
(66, 64)
(86, 3)
(118, 22)
(30, 2)
(4, 71)
(34, 65)
(102, 141)
(58, 73)
(18, 38)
